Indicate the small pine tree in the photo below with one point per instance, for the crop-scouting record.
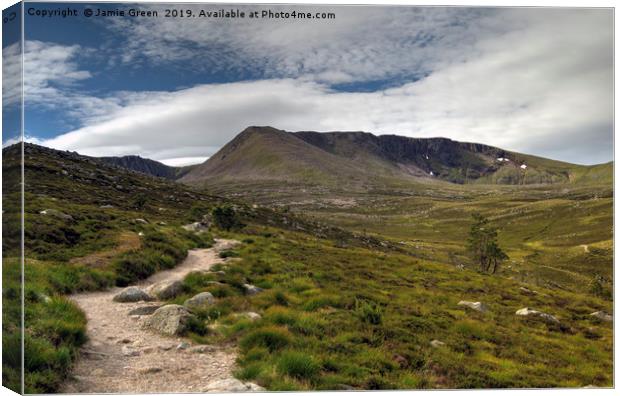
(226, 218)
(482, 244)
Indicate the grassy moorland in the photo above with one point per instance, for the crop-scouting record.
(355, 287)
(352, 318)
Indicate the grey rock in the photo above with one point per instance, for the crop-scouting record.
(251, 289)
(131, 294)
(141, 221)
(531, 312)
(57, 214)
(196, 227)
(106, 207)
(478, 306)
(199, 301)
(248, 315)
(182, 346)
(170, 320)
(165, 290)
(233, 385)
(602, 315)
(437, 343)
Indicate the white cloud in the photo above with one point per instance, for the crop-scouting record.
(531, 80)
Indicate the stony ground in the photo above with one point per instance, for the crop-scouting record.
(121, 356)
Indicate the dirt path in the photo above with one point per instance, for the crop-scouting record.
(106, 364)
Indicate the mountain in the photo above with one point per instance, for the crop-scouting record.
(360, 158)
(147, 166)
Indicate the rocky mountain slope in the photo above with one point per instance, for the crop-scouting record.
(147, 166)
(363, 159)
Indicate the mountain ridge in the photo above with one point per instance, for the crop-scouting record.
(362, 158)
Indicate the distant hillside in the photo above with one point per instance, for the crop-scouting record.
(148, 166)
(363, 159)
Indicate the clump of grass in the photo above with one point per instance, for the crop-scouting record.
(368, 312)
(298, 365)
(273, 338)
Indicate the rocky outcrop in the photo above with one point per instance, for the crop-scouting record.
(131, 294)
(170, 320)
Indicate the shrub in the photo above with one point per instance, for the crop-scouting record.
(272, 338)
(297, 365)
(226, 218)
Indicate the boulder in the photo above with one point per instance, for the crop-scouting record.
(165, 290)
(131, 294)
(170, 320)
(531, 312)
(199, 301)
(57, 214)
(603, 316)
(478, 306)
(232, 385)
(251, 289)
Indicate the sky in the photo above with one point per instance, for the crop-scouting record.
(533, 80)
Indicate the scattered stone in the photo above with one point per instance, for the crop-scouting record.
(182, 346)
(128, 351)
(56, 213)
(253, 316)
(162, 223)
(197, 227)
(437, 343)
(165, 347)
(251, 289)
(148, 350)
(531, 312)
(602, 315)
(141, 221)
(202, 349)
(199, 301)
(141, 234)
(106, 207)
(131, 294)
(149, 370)
(170, 319)
(232, 385)
(165, 290)
(527, 291)
(478, 306)
(146, 310)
